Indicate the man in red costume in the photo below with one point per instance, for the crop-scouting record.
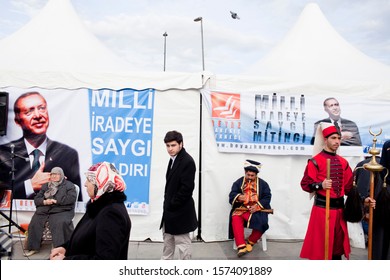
(315, 182)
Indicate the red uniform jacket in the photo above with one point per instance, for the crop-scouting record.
(342, 179)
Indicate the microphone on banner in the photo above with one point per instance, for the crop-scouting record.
(13, 155)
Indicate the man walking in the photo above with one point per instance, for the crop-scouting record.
(179, 216)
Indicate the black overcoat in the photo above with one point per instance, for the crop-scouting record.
(179, 214)
(104, 231)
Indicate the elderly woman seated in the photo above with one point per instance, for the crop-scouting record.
(55, 203)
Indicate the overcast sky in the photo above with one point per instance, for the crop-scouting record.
(134, 29)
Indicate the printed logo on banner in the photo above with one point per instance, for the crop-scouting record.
(226, 116)
(225, 105)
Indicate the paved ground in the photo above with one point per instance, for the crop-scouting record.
(223, 250)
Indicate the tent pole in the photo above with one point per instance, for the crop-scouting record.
(199, 236)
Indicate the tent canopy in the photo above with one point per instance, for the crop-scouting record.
(55, 50)
(313, 60)
(57, 40)
(314, 51)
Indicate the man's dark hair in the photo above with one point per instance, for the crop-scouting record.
(173, 136)
(329, 98)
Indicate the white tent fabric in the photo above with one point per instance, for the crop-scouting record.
(58, 40)
(55, 50)
(76, 80)
(314, 51)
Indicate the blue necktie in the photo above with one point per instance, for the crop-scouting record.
(36, 164)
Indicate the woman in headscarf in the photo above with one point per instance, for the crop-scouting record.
(55, 203)
(104, 231)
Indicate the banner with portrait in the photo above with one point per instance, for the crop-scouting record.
(284, 123)
(83, 127)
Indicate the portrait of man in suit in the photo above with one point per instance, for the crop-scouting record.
(34, 154)
(348, 129)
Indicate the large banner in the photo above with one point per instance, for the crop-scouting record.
(121, 133)
(79, 128)
(283, 123)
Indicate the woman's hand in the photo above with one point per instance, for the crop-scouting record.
(57, 253)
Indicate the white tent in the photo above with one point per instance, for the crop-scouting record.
(314, 51)
(57, 39)
(55, 51)
(312, 60)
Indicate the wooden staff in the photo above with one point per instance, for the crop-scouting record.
(327, 205)
(370, 216)
(269, 211)
(372, 166)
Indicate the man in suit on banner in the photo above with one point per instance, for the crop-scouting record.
(348, 129)
(34, 155)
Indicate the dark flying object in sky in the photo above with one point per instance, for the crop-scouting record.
(234, 15)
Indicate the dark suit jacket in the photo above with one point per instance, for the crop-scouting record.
(179, 214)
(346, 125)
(57, 155)
(258, 220)
(385, 161)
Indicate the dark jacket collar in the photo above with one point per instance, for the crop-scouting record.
(329, 153)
